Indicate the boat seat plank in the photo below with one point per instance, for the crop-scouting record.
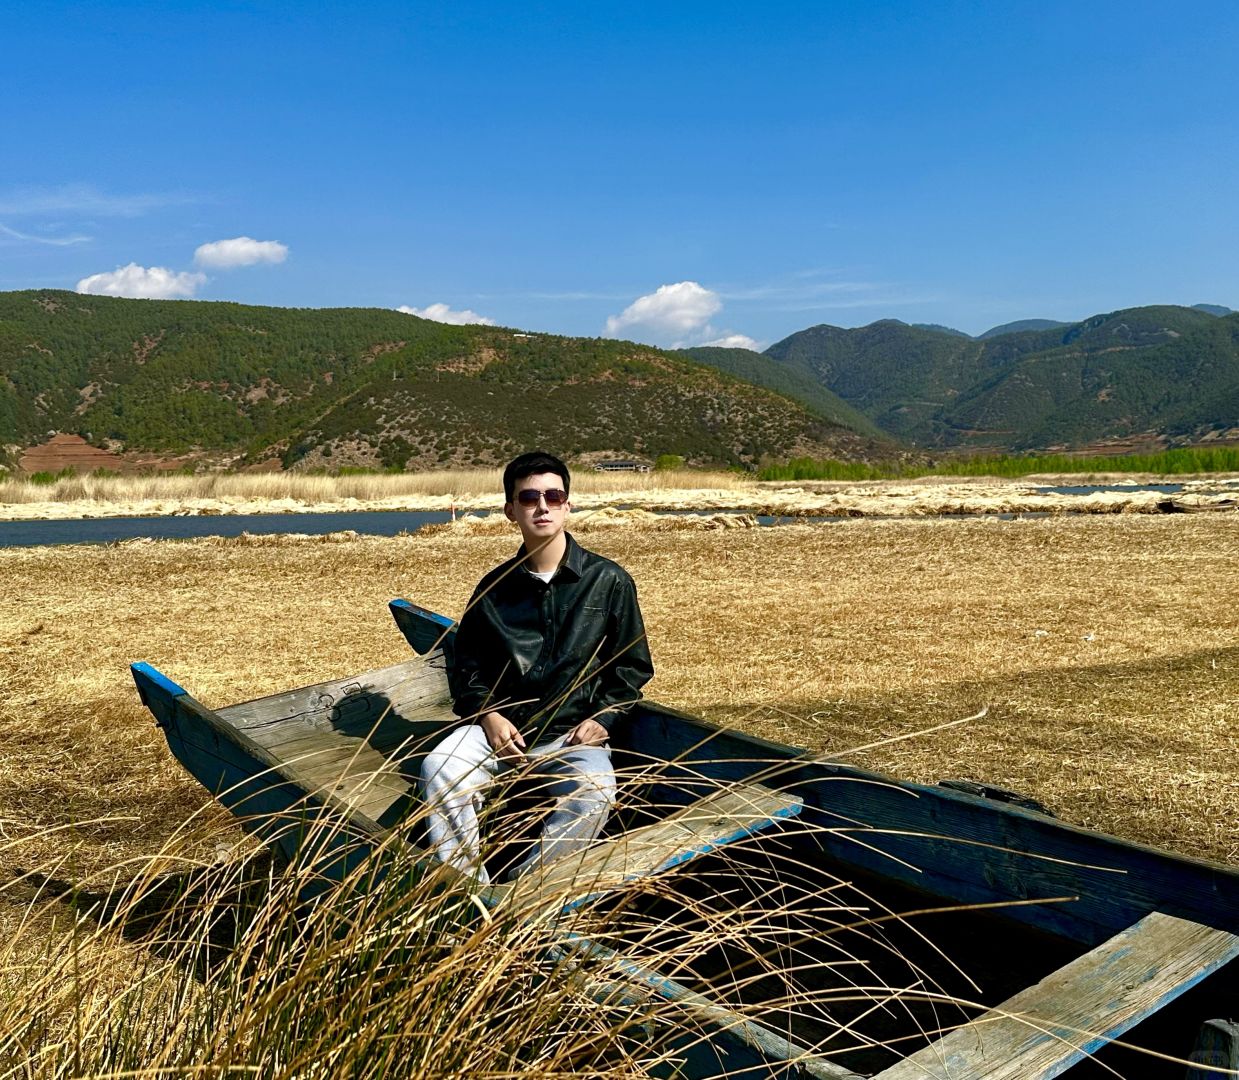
(352, 771)
(721, 818)
(407, 692)
(1043, 1030)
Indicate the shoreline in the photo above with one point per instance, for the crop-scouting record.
(881, 498)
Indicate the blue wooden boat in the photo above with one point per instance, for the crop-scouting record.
(1076, 952)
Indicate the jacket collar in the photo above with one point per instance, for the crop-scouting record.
(573, 561)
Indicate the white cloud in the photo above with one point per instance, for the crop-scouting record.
(671, 313)
(55, 241)
(239, 251)
(734, 341)
(83, 199)
(145, 282)
(444, 314)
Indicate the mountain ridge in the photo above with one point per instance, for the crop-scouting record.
(1166, 372)
(371, 387)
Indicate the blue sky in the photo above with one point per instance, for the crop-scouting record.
(676, 173)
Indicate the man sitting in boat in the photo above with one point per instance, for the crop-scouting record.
(550, 652)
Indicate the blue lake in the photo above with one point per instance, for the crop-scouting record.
(1093, 489)
(109, 530)
(366, 522)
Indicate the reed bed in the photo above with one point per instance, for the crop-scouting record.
(311, 488)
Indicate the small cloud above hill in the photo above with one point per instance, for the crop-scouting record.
(143, 282)
(668, 315)
(239, 251)
(444, 314)
(677, 316)
(162, 283)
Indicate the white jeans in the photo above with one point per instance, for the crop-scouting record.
(458, 771)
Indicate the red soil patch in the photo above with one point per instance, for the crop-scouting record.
(70, 452)
(74, 452)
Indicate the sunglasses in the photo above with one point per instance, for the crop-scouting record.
(553, 497)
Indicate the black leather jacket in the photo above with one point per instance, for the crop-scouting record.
(548, 656)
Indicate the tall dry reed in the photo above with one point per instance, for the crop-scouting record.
(365, 487)
(395, 968)
(361, 959)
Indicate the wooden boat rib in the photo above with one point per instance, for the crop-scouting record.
(1135, 928)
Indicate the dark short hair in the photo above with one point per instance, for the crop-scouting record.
(530, 465)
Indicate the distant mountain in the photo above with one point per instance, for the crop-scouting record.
(897, 375)
(1171, 371)
(797, 383)
(1213, 309)
(1020, 326)
(941, 329)
(371, 387)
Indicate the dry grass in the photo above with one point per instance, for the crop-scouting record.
(1104, 645)
(305, 488)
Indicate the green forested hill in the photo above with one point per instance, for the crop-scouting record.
(897, 375)
(793, 381)
(1169, 371)
(369, 386)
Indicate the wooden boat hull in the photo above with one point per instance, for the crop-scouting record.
(1057, 897)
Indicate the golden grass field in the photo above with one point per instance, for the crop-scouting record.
(1104, 646)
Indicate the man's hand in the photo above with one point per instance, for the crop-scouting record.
(587, 733)
(505, 740)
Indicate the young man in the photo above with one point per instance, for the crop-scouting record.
(549, 654)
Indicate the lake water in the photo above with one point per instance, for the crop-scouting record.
(109, 530)
(1093, 489)
(366, 522)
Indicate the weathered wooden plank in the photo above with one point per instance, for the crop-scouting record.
(418, 682)
(721, 818)
(347, 737)
(359, 776)
(327, 759)
(1042, 1031)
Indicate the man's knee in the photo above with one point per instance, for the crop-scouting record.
(433, 765)
(454, 756)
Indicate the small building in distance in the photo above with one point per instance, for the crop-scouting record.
(621, 465)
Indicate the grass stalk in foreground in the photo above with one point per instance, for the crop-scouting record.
(176, 967)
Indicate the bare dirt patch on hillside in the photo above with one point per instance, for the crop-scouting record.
(62, 452)
(69, 452)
